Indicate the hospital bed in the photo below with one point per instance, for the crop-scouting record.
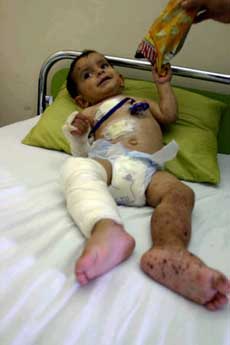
(41, 301)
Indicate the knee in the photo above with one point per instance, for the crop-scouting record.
(189, 195)
(182, 195)
(78, 167)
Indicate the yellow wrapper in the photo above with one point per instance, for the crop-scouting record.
(166, 35)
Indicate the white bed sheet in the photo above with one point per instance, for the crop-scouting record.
(40, 301)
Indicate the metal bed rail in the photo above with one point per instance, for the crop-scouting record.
(43, 99)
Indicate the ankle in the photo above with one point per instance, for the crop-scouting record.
(175, 246)
(106, 224)
(114, 233)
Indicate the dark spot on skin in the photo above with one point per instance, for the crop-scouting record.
(164, 261)
(175, 269)
(150, 265)
(185, 234)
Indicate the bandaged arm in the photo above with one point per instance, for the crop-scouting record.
(79, 144)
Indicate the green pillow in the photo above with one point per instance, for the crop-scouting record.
(195, 130)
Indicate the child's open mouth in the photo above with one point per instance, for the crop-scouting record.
(103, 80)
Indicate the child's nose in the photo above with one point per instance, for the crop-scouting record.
(100, 71)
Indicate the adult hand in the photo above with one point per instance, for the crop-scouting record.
(218, 10)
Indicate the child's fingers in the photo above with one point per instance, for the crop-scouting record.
(168, 71)
(78, 131)
(164, 76)
(81, 126)
(75, 132)
(80, 117)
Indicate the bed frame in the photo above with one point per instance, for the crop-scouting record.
(44, 99)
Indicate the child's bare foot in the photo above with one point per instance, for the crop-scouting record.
(187, 275)
(108, 246)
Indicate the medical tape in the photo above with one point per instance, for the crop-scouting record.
(108, 114)
(167, 153)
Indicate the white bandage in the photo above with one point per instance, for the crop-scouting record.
(118, 129)
(87, 195)
(79, 144)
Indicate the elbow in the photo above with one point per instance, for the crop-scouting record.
(169, 117)
(172, 117)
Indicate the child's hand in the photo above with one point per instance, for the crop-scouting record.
(164, 77)
(81, 123)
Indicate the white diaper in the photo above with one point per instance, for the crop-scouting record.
(132, 170)
(130, 179)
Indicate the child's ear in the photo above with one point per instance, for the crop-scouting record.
(122, 80)
(81, 102)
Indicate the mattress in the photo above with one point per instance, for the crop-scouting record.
(41, 301)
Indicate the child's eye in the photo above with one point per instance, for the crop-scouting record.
(105, 65)
(87, 75)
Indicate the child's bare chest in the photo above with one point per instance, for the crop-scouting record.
(115, 121)
(137, 132)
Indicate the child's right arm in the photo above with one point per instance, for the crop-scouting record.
(76, 130)
(165, 111)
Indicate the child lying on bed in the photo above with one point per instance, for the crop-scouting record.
(118, 141)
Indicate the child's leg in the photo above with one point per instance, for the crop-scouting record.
(168, 261)
(95, 212)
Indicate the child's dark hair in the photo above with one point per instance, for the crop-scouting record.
(71, 84)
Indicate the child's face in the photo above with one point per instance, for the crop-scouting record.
(96, 80)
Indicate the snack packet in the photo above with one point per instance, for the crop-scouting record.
(166, 36)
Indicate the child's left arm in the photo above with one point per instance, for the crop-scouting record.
(166, 111)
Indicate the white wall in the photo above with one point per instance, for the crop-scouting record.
(32, 30)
